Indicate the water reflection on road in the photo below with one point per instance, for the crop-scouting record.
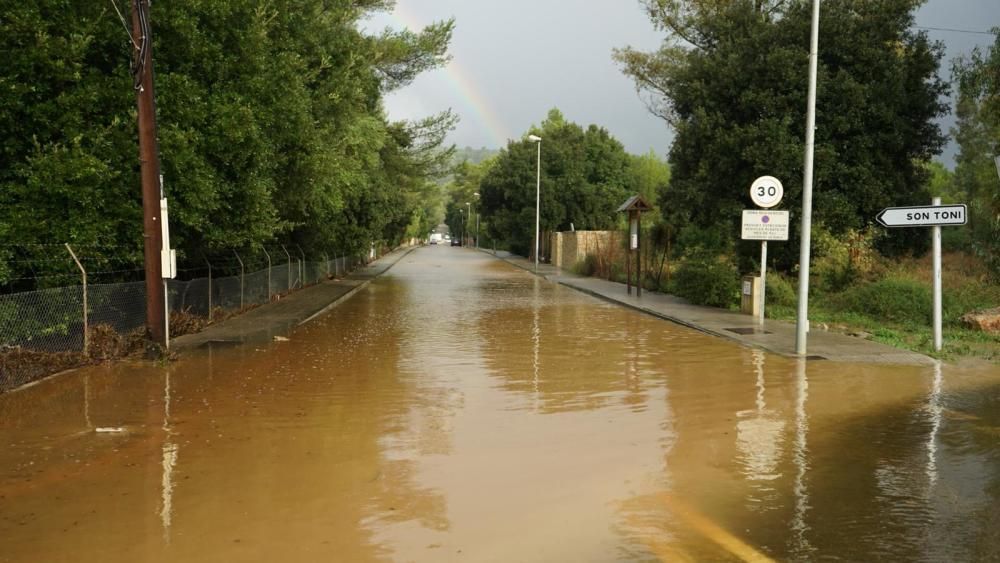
(461, 409)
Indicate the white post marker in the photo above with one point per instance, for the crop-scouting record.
(934, 216)
(766, 192)
(936, 244)
(763, 278)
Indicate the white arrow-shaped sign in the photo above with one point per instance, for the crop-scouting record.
(923, 216)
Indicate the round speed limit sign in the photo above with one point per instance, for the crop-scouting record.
(766, 191)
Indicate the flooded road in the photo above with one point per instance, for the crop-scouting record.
(460, 409)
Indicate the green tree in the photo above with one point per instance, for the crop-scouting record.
(650, 177)
(464, 188)
(67, 137)
(585, 175)
(978, 137)
(731, 79)
(271, 127)
(941, 183)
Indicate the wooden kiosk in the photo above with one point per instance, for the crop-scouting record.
(634, 206)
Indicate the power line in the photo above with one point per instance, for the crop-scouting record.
(122, 18)
(952, 30)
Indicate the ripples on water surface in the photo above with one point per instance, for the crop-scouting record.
(461, 409)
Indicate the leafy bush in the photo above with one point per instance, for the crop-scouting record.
(703, 241)
(842, 260)
(780, 291)
(968, 297)
(707, 281)
(893, 299)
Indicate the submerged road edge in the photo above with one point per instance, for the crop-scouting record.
(776, 337)
(295, 310)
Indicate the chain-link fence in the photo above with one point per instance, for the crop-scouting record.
(206, 295)
(55, 324)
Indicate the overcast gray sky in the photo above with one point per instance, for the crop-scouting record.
(514, 60)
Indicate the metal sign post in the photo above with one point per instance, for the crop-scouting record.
(936, 245)
(764, 225)
(934, 216)
(763, 278)
(766, 192)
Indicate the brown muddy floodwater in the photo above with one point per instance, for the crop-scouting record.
(459, 409)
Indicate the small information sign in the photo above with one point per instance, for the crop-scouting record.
(764, 225)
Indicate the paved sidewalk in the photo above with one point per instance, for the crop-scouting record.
(774, 336)
(278, 318)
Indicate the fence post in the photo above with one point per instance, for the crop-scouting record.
(326, 262)
(268, 273)
(289, 256)
(209, 287)
(241, 278)
(86, 327)
(302, 267)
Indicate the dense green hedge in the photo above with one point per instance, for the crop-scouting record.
(707, 281)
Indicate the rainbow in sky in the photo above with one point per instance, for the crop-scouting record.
(458, 78)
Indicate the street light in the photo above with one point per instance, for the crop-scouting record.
(802, 315)
(477, 221)
(468, 218)
(538, 190)
(461, 237)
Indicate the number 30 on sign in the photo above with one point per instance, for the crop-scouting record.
(766, 191)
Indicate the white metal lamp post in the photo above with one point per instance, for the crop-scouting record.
(538, 191)
(802, 317)
(477, 221)
(468, 219)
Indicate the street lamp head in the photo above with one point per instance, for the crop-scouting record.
(534, 138)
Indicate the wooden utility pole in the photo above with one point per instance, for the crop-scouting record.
(149, 160)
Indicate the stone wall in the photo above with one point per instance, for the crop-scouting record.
(570, 247)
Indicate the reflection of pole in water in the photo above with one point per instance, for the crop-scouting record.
(758, 364)
(759, 436)
(934, 408)
(799, 525)
(169, 463)
(536, 336)
(86, 402)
